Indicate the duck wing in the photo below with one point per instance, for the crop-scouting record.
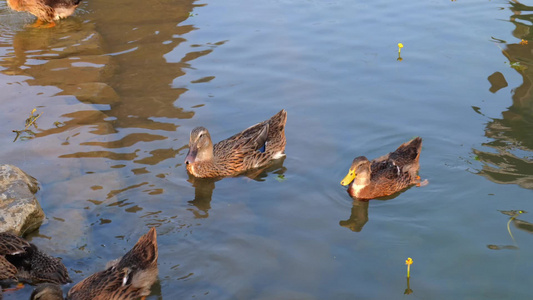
(45, 268)
(7, 270)
(255, 146)
(13, 251)
(385, 170)
(11, 244)
(407, 153)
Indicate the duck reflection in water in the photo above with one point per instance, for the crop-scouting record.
(204, 187)
(203, 192)
(359, 216)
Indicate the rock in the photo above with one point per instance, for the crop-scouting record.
(20, 211)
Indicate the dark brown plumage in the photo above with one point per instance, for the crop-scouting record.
(252, 148)
(45, 10)
(47, 291)
(129, 277)
(385, 175)
(20, 260)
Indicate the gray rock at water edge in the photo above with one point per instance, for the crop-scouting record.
(20, 211)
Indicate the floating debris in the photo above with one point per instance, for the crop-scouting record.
(30, 121)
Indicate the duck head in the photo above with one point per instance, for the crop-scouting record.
(200, 146)
(47, 291)
(360, 168)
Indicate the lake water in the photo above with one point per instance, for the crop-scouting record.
(120, 84)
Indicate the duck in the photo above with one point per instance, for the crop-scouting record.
(125, 278)
(253, 148)
(385, 175)
(23, 261)
(46, 11)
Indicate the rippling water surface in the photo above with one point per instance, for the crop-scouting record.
(121, 83)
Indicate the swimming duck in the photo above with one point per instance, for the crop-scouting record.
(385, 175)
(23, 261)
(252, 148)
(46, 11)
(129, 277)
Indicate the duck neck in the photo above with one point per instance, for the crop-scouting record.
(205, 168)
(363, 175)
(362, 180)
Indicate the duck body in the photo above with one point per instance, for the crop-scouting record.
(252, 148)
(129, 277)
(385, 175)
(45, 10)
(21, 260)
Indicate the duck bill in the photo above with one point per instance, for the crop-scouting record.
(191, 155)
(348, 178)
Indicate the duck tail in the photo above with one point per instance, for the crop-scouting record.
(408, 152)
(416, 144)
(143, 254)
(279, 119)
(277, 124)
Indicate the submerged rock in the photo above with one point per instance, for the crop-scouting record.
(20, 211)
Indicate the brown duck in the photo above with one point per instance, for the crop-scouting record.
(46, 11)
(23, 261)
(252, 148)
(129, 277)
(385, 175)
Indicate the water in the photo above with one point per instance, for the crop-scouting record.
(127, 81)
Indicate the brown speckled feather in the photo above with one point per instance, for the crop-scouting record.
(10, 245)
(7, 270)
(387, 174)
(241, 152)
(30, 263)
(130, 277)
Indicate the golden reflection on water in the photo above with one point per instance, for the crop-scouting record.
(114, 112)
(128, 90)
(512, 135)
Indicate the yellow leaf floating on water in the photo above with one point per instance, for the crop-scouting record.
(523, 42)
